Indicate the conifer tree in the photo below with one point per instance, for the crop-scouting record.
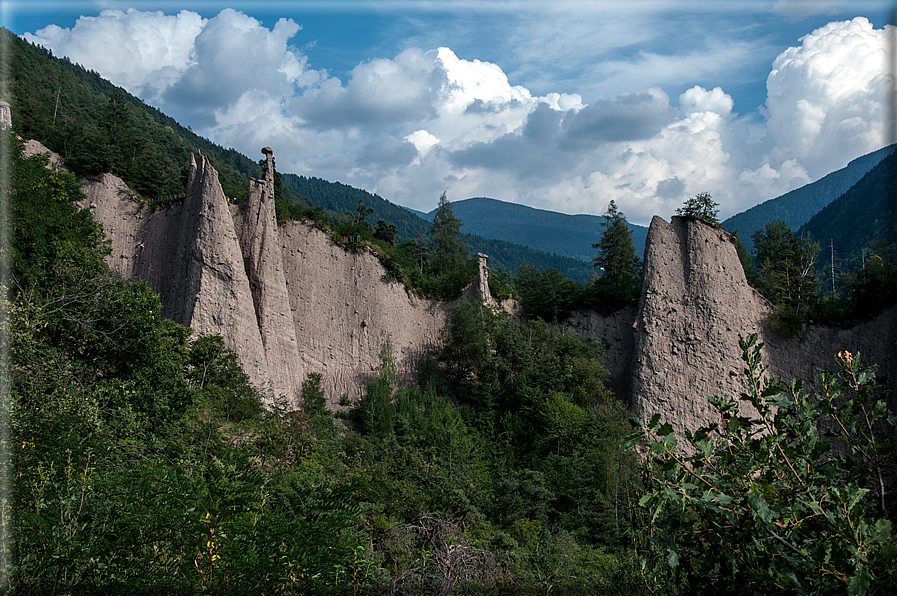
(449, 251)
(787, 265)
(621, 281)
(616, 252)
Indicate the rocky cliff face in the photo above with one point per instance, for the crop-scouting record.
(682, 345)
(289, 301)
(260, 244)
(695, 302)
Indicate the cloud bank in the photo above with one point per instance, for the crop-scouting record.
(425, 120)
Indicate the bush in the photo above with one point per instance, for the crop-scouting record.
(796, 499)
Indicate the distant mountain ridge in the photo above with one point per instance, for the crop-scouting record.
(567, 235)
(503, 253)
(801, 204)
(866, 212)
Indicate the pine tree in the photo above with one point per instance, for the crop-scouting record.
(621, 281)
(786, 265)
(449, 251)
(616, 252)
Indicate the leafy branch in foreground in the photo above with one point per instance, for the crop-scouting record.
(798, 498)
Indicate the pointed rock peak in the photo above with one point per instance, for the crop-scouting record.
(191, 176)
(269, 169)
(479, 287)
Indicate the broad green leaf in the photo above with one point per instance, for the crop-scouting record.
(673, 558)
(859, 583)
(759, 506)
(631, 440)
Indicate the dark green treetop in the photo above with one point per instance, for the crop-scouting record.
(621, 281)
(786, 263)
(616, 252)
(449, 250)
(701, 206)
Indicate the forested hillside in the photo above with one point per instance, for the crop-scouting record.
(503, 254)
(796, 208)
(97, 127)
(860, 217)
(567, 235)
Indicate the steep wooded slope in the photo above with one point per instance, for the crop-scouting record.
(866, 212)
(799, 205)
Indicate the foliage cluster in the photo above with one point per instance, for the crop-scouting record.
(784, 268)
(701, 206)
(550, 296)
(796, 497)
(144, 460)
(525, 464)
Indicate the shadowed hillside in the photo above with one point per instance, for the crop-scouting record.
(798, 206)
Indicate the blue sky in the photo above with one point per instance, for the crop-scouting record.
(562, 105)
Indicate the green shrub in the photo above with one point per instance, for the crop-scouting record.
(796, 499)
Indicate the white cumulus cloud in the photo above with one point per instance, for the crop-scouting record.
(426, 120)
(828, 93)
(145, 52)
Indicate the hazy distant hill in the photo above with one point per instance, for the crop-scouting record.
(502, 253)
(549, 231)
(859, 216)
(801, 204)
